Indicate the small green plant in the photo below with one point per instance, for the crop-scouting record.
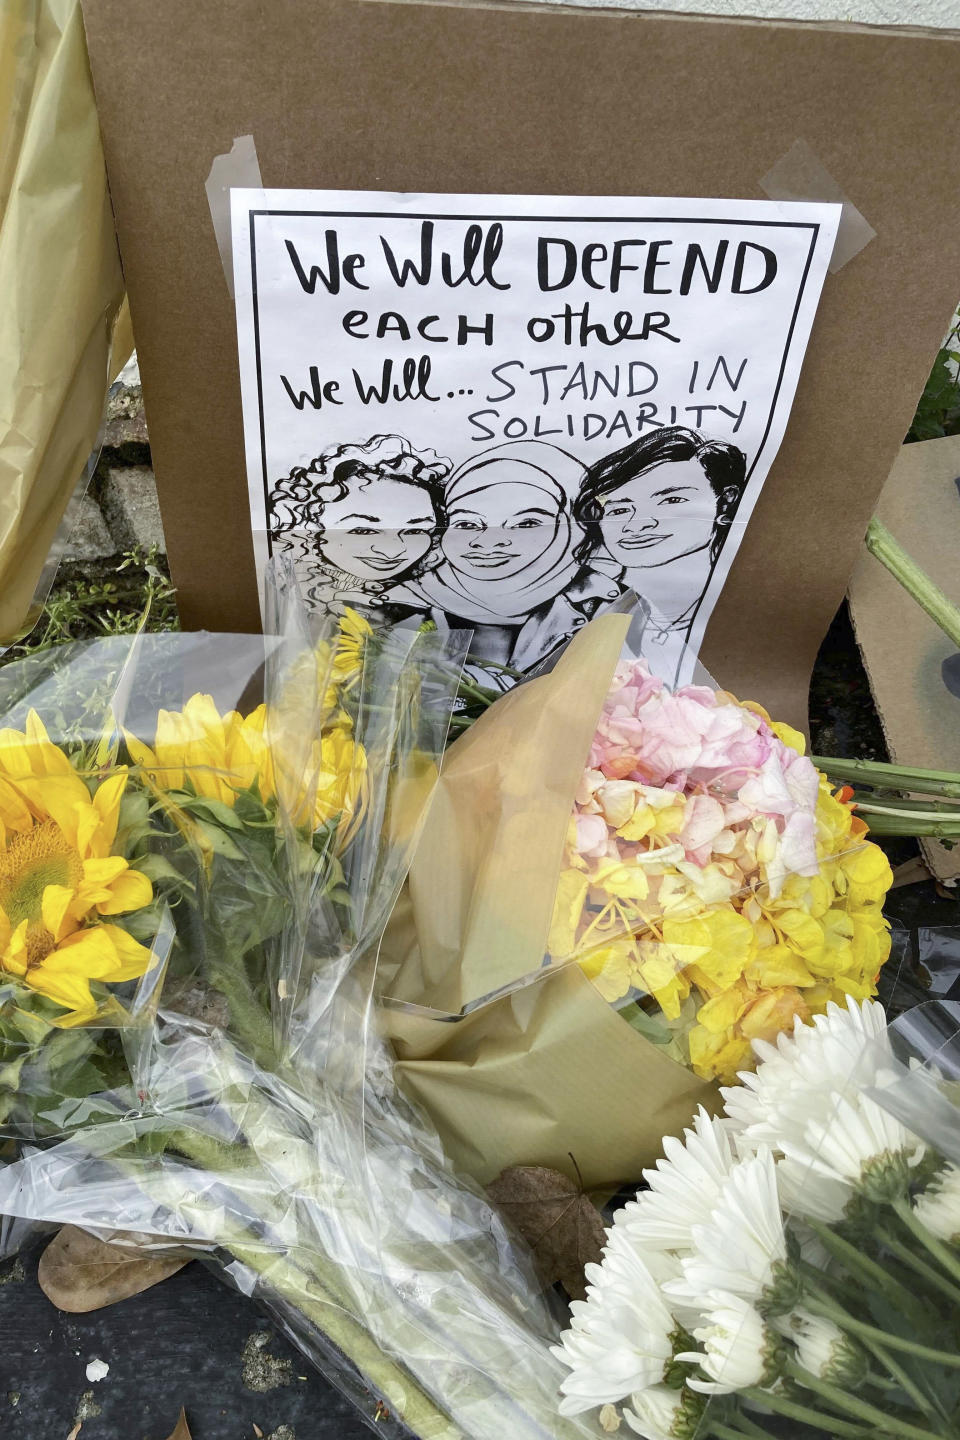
(136, 594)
(938, 412)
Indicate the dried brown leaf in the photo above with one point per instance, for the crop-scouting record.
(564, 1229)
(182, 1429)
(78, 1272)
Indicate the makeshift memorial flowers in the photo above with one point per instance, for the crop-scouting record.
(235, 1101)
(793, 1257)
(713, 885)
(62, 878)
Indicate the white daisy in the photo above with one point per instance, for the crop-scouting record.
(811, 1190)
(663, 1414)
(823, 1349)
(738, 1349)
(684, 1185)
(741, 1248)
(808, 1102)
(938, 1207)
(839, 1053)
(858, 1136)
(619, 1338)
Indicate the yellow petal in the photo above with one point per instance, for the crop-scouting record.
(54, 908)
(129, 891)
(106, 802)
(790, 737)
(15, 954)
(724, 1010)
(567, 912)
(133, 959)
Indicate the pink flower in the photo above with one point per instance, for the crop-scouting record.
(798, 843)
(592, 835)
(767, 791)
(703, 822)
(618, 800)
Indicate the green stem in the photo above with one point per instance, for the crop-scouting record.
(794, 1411)
(855, 1260)
(896, 825)
(939, 1251)
(728, 1432)
(882, 804)
(901, 1378)
(914, 579)
(759, 1432)
(932, 1276)
(248, 1019)
(824, 1305)
(413, 1406)
(853, 1405)
(890, 777)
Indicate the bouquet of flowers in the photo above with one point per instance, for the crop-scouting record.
(795, 1257)
(710, 871)
(193, 887)
(603, 848)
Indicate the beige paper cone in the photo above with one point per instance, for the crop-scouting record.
(515, 1064)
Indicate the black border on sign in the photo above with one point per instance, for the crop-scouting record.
(812, 225)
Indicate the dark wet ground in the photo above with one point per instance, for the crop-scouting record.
(192, 1342)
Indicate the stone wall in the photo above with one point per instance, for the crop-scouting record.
(120, 511)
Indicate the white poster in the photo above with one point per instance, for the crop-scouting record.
(504, 412)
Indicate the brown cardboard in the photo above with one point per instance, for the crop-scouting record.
(903, 649)
(432, 97)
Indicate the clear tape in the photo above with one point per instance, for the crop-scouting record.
(801, 175)
(238, 168)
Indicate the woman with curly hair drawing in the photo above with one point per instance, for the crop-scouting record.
(359, 519)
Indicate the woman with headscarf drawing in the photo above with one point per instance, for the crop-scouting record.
(507, 567)
(661, 510)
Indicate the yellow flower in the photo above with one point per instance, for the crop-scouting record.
(341, 781)
(351, 643)
(218, 756)
(611, 969)
(58, 877)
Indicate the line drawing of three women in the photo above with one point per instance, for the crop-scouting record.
(522, 543)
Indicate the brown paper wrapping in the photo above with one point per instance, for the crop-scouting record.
(545, 1073)
(60, 280)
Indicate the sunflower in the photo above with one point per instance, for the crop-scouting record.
(58, 877)
(220, 756)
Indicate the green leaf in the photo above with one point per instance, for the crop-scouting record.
(217, 810)
(159, 869)
(219, 841)
(646, 1025)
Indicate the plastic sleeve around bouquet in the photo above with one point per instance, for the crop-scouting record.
(599, 839)
(796, 1259)
(296, 1169)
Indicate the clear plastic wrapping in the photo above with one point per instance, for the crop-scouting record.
(795, 1261)
(604, 850)
(232, 1097)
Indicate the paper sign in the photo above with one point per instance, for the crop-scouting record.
(505, 412)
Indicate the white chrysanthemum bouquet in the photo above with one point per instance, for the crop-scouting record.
(797, 1257)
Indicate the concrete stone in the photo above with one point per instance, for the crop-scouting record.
(935, 13)
(128, 499)
(125, 423)
(89, 537)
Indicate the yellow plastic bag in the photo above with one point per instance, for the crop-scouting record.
(61, 286)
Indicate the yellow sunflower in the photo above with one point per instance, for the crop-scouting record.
(58, 876)
(218, 756)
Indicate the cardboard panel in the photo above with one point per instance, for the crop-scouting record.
(353, 94)
(914, 668)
